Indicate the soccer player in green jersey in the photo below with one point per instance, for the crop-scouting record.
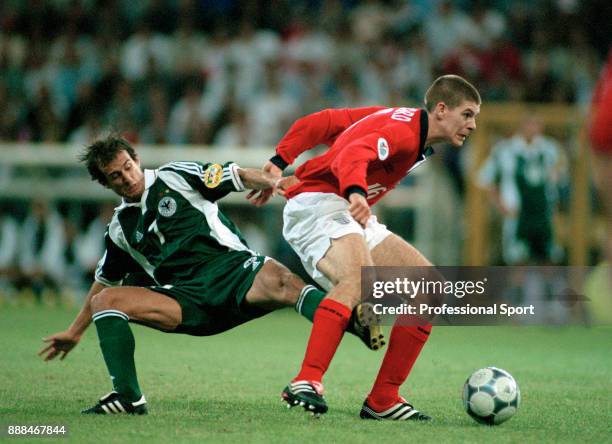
(206, 279)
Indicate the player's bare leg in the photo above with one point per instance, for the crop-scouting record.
(405, 344)
(141, 305)
(275, 286)
(111, 309)
(342, 266)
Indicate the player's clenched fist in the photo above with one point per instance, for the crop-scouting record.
(359, 209)
(284, 183)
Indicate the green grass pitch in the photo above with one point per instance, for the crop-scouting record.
(227, 388)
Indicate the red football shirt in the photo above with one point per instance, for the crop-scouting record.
(370, 148)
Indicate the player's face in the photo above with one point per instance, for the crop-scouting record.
(125, 177)
(459, 122)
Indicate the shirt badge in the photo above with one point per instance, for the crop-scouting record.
(212, 175)
(167, 206)
(383, 149)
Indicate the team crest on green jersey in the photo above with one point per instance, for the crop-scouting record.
(212, 175)
(167, 206)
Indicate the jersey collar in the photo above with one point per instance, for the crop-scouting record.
(150, 176)
(424, 151)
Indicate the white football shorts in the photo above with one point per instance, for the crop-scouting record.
(312, 220)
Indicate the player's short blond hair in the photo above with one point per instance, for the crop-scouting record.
(451, 90)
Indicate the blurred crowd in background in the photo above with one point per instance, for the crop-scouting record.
(238, 73)
(50, 253)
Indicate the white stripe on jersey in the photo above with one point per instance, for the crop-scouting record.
(189, 167)
(192, 164)
(118, 237)
(230, 172)
(98, 274)
(218, 230)
(233, 168)
(185, 164)
(191, 171)
(143, 201)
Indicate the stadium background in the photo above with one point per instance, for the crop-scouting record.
(223, 80)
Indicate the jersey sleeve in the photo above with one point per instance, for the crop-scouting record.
(114, 265)
(319, 128)
(212, 180)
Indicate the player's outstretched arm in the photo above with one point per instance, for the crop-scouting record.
(254, 179)
(63, 342)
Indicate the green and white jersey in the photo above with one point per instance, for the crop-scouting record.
(176, 231)
(527, 177)
(525, 173)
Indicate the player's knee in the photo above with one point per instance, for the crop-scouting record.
(107, 299)
(280, 284)
(288, 287)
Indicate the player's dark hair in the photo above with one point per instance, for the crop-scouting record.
(101, 153)
(452, 90)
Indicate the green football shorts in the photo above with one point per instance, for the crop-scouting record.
(212, 299)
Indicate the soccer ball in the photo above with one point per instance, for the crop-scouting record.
(491, 396)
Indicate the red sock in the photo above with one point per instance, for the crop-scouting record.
(328, 326)
(405, 345)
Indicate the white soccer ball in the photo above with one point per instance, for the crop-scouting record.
(491, 396)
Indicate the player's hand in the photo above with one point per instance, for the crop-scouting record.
(359, 209)
(284, 183)
(260, 197)
(58, 344)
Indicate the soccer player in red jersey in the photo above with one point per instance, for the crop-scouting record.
(328, 222)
